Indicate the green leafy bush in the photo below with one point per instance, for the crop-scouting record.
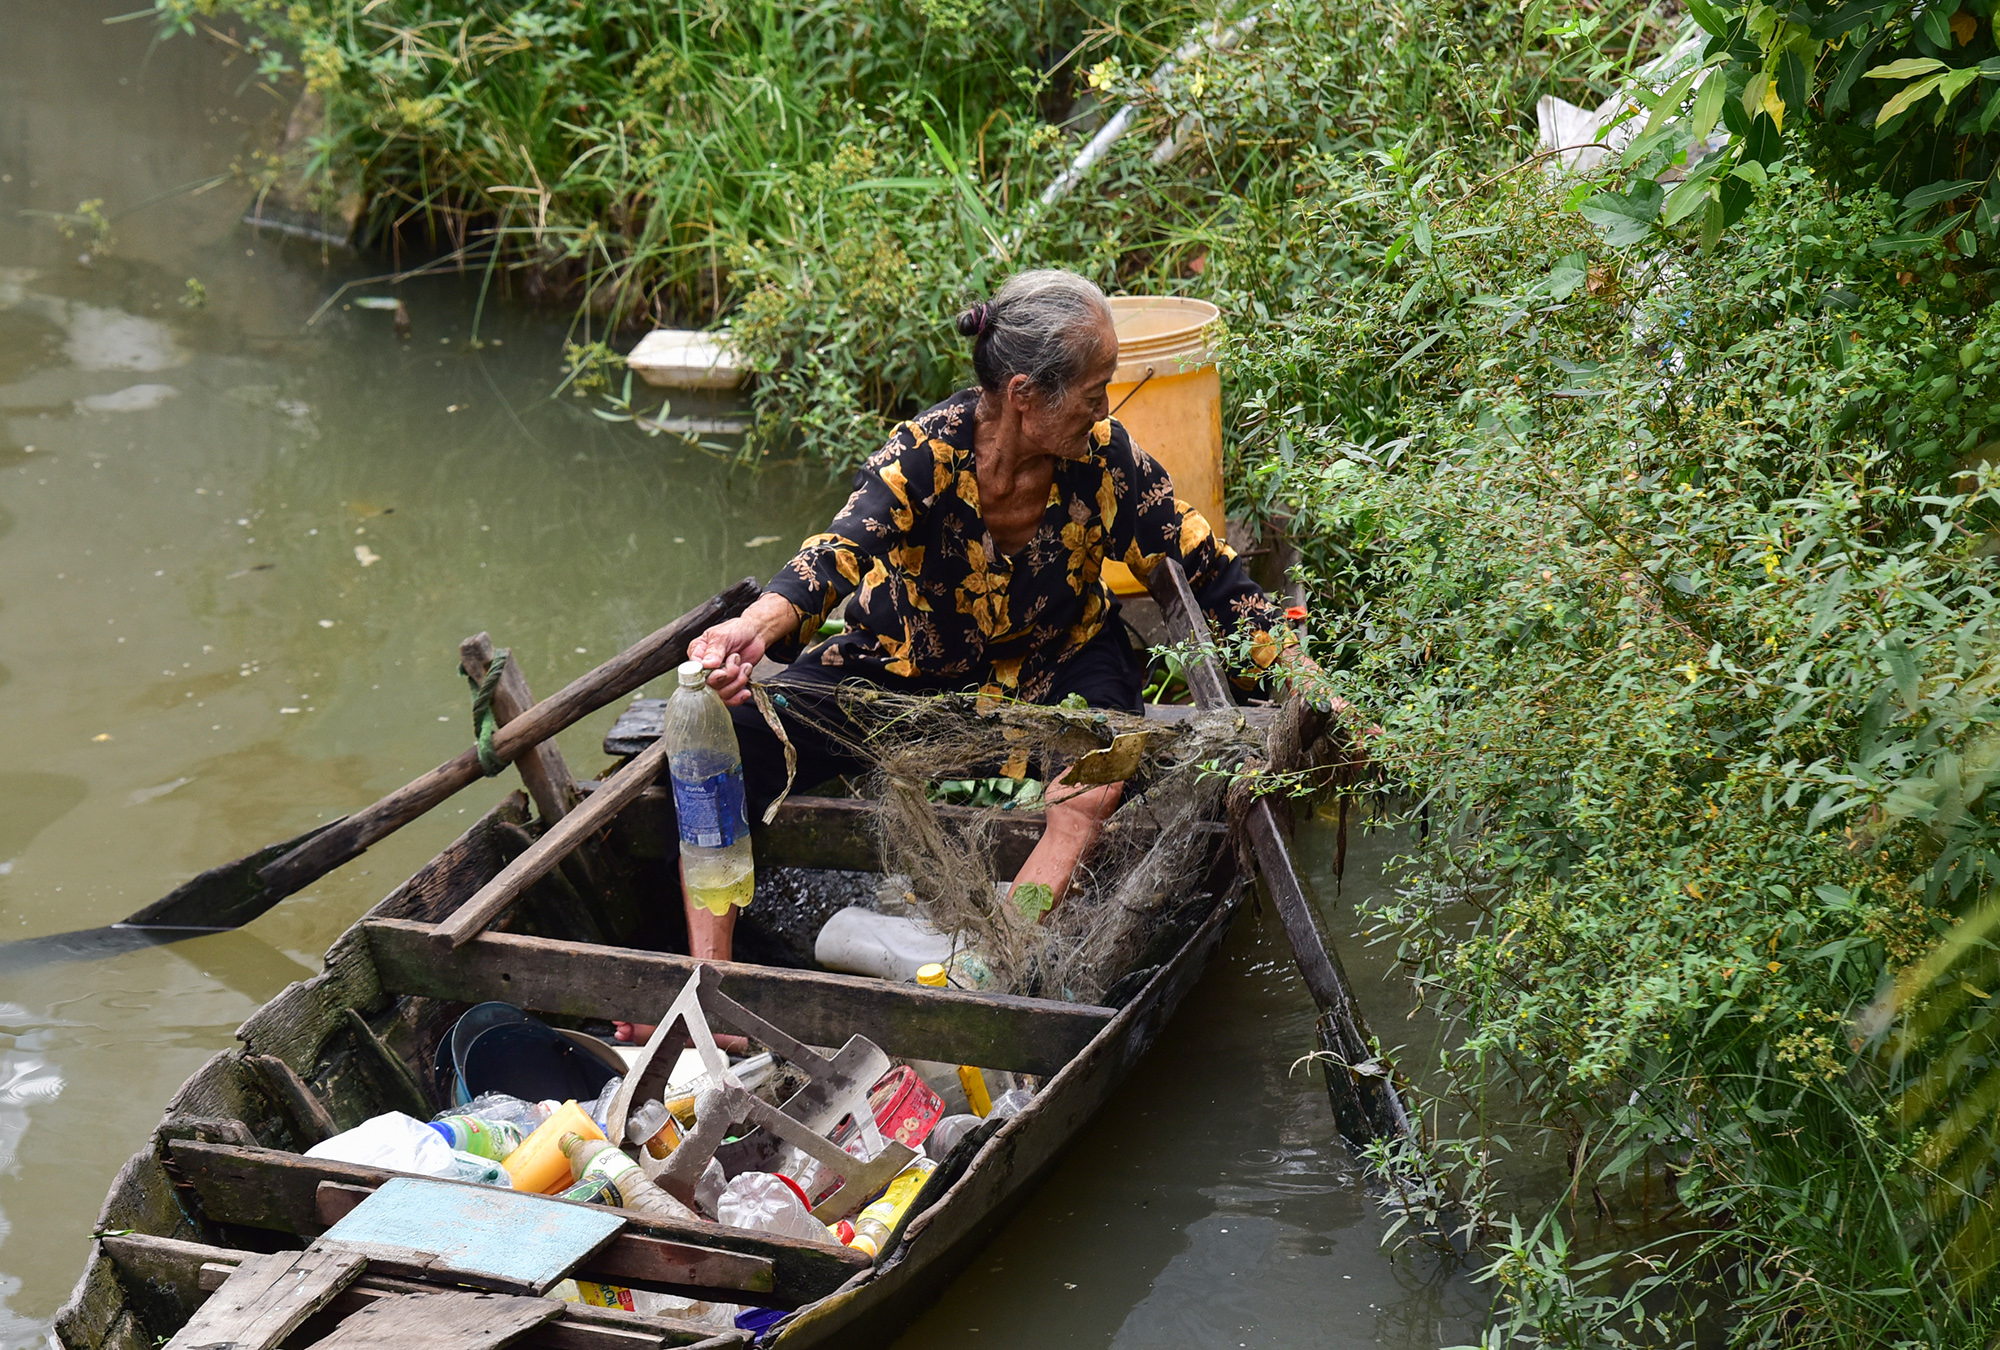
(1899, 97)
(1668, 580)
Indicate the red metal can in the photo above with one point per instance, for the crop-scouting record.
(905, 1108)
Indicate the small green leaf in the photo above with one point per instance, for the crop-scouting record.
(1937, 25)
(1903, 70)
(1687, 198)
(1708, 104)
(1033, 899)
(1956, 81)
(1932, 193)
(1669, 103)
(1911, 93)
(1420, 235)
(1712, 18)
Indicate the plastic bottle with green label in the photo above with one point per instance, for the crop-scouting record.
(707, 773)
(479, 1136)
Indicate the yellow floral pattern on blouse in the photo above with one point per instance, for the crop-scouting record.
(932, 596)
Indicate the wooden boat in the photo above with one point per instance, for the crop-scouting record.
(224, 1176)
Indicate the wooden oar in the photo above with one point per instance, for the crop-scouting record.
(471, 919)
(1361, 1086)
(237, 892)
(646, 660)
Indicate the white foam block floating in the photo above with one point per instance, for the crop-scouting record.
(683, 358)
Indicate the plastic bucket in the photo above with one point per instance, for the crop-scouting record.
(1166, 365)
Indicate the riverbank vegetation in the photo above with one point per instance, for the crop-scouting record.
(1647, 514)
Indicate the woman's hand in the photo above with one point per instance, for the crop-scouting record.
(731, 649)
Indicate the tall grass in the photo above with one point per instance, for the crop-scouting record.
(624, 151)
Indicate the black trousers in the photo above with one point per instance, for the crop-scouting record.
(1109, 672)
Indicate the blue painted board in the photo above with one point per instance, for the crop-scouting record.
(509, 1238)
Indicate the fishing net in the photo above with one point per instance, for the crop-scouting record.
(1133, 891)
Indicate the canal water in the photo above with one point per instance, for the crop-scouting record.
(238, 547)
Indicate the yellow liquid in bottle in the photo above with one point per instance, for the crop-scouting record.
(718, 884)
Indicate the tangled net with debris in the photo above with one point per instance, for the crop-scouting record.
(1132, 888)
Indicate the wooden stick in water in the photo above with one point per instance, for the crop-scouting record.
(1361, 1087)
(236, 892)
(619, 791)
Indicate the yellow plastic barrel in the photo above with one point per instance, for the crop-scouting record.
(1166, 365)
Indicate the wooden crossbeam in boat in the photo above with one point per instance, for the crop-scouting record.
(634, 1260)
(996, 1031)
(440, 1320)
(185, 1271)
(279, 1191)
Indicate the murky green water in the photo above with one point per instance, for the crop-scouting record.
(237, 553)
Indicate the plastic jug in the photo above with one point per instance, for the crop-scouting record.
(538, 1164)
(707, 773)
(859, 941)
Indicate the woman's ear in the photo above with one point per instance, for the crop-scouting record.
(1022, 395)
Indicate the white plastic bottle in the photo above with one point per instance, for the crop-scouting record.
(707, 773)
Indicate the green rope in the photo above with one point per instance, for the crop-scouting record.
(484, 723)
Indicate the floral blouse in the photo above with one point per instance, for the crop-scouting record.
(935, 599)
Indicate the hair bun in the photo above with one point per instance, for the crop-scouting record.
(972, 319)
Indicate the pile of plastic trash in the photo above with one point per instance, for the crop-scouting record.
(562, 1149)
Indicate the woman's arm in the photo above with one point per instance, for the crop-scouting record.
(732, 648)
(1162, 526)
(879, 515)
(826, 569)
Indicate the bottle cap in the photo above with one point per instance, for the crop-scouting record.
(932, 976)
(693, 674)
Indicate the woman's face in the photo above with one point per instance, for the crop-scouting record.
(1061, 426)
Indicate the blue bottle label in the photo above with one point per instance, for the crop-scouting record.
(711, 809)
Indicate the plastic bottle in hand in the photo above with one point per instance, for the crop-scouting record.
(707, 773)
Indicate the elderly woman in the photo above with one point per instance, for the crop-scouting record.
(971, 556)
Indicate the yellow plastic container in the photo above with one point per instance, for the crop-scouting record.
(539, 1165)
(1165, 353)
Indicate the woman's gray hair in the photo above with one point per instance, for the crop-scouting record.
(1044, 324)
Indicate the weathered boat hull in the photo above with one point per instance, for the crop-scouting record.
(222, 1174)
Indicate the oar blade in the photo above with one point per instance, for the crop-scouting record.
(228, 896)
(89, 944)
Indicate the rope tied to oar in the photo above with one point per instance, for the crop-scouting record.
(768, 704)
(484, 723)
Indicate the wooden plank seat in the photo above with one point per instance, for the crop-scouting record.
(280, 1192)
(632, 1260)
(187, 1271)
(267, 1298)
(439, 1320)
(577, 979)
